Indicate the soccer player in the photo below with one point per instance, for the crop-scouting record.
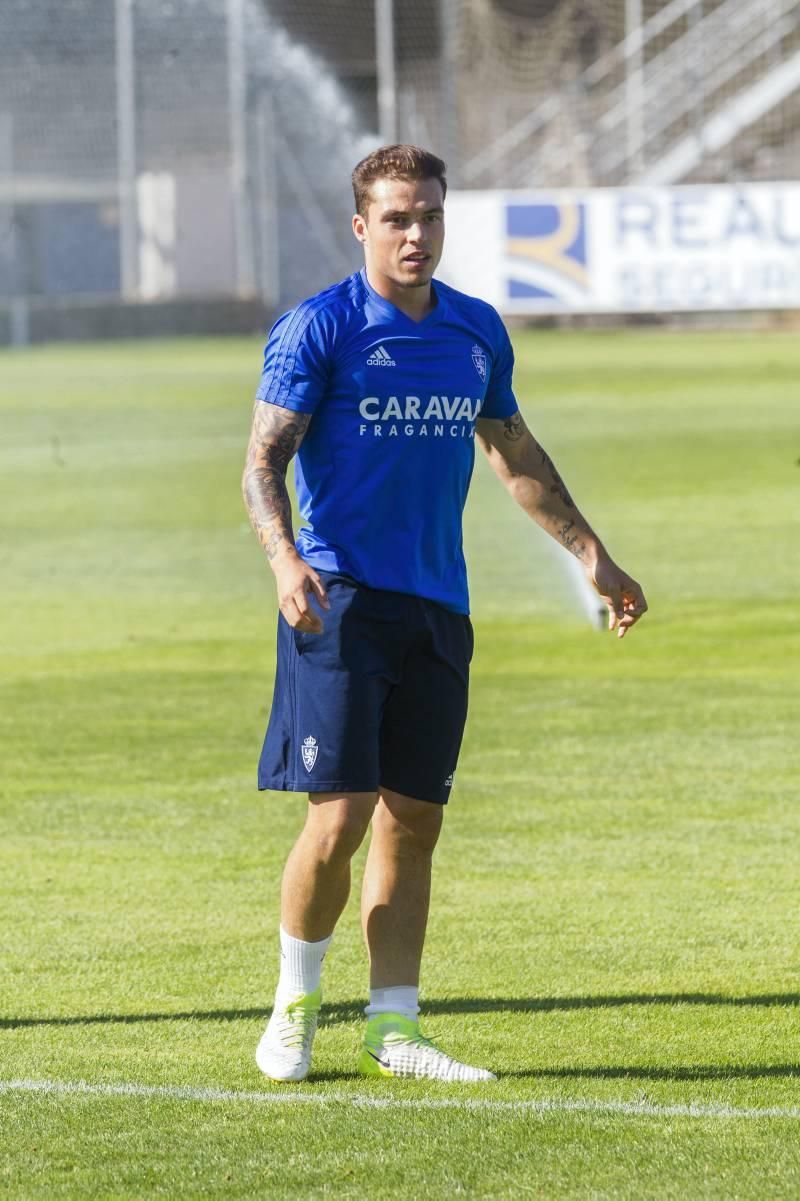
(380, 385)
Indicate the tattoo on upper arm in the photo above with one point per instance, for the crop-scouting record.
(274, 439)
(514, 427)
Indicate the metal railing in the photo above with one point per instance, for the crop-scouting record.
(680, 85)
(490, 157)
(674, 89)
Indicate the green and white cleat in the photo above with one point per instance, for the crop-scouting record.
(284, 1052)
(395, 1046)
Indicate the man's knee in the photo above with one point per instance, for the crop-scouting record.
(410, 823)
(337, 824)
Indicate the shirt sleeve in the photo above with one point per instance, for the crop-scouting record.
(500, 400)
(295, 372)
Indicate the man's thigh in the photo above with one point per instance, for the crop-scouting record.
(330, 693)
(424, 718)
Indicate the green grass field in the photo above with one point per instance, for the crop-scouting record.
(614, 927)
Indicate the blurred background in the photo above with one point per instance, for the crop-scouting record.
(174, 166)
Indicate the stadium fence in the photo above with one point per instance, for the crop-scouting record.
(183, 164)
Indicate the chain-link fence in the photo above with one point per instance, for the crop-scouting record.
(156, 149)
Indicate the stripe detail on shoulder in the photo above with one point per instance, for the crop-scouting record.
(293, 333)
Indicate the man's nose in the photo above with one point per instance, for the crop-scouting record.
(416, 232)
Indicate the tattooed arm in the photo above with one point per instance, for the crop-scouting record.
(529, 474)
(275, 437)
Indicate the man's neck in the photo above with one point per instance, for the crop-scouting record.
(416, 303)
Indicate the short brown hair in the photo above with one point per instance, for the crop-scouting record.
(395, 162)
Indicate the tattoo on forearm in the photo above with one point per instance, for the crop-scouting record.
(275, 437)
(558, 486)
(572, 541)
(271, 543)
(514, 427)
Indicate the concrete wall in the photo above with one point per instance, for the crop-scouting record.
(43, 321)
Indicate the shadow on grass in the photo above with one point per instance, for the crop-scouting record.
(349, 1011)
(688, 1072)
(745, 1071)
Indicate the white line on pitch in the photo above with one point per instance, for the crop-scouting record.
(174, 1092)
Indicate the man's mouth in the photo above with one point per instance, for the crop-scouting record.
(417, 258)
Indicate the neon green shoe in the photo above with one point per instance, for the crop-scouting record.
(284, 1052)
(395, 1046)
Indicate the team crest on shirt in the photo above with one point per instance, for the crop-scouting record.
(480, 361)
(310, 749)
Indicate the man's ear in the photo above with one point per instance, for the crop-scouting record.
(359, 227)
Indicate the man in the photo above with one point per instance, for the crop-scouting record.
(379, 385)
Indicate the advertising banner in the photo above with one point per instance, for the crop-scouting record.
(627, 250)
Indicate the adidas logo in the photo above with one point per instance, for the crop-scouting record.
(381, 358)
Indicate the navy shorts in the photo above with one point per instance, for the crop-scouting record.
(379, 699)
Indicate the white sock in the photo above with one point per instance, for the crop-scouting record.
(403, 998)
(301, 964)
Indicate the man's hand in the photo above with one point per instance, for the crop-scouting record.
(622, 595)
(296, 582)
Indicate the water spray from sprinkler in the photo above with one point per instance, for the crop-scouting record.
(590, 603)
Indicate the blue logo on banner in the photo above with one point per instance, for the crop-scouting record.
(546, 251)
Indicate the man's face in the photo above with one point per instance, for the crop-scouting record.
(403, 233)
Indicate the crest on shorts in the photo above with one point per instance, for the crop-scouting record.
(480, 360)
(310, 749)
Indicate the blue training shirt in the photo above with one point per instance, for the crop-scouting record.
(383, 471)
